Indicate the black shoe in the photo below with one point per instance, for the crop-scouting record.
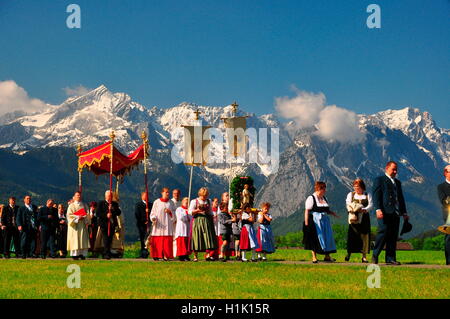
(393, 263)
(155, 259)
(75, 257)
(187, 258)
(43, 257)
(24, 257)
(82, 257)
(374, 260)
(254, 260)
(364, 260)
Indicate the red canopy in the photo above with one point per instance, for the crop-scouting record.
(98, 160)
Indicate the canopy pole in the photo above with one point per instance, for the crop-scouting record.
(145, 142)
(112, 136)
(80, 187)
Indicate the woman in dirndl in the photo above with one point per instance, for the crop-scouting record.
(317, 231)
(358, 235)
(203, 234)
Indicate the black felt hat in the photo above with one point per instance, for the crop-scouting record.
(407, 227)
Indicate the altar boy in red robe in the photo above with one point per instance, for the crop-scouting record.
(163, 220)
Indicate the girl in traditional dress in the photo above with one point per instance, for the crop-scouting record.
(182, 230)
(163, 219)
(359, 231)
(203, 235)
(216, 210)
(264, 234)
(248, 240)
(317, 232)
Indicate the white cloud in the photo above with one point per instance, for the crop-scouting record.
(15, 98)
(338, 124)
(304, 108)
(310, 110)
(76, 91)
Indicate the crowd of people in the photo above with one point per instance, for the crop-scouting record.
(175, 227)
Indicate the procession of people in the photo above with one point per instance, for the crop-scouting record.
(174, 228)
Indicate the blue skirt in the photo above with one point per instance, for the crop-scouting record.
(265, 239)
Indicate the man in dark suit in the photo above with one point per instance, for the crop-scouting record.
(389, 204)
(444, 198)
(48, 221)
(9, 227)
(27, 223)
(143, 223)
(107, 212)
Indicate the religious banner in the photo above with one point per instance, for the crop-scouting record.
(237, 141)
(196, 145)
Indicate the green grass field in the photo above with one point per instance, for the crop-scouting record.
(272, 279)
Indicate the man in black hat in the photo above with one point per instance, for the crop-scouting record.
(444, 198)
(389, 204)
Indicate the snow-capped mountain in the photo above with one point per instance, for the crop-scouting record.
(408, 136)
(87, 120)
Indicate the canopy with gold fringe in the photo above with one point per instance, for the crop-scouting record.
(98, 159)
(106, 158)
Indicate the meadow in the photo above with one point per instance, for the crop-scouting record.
(287, 274)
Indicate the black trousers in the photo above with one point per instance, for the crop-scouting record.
(48, 237)
(387, 234)
(107, 240)
(11, 234)
(142, 228)
(447, 249)
(2, 242)
(28, 242)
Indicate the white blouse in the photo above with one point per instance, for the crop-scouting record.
(310, 202)
(183, 222)
(359, 197)
(216, 221)
(193, 205)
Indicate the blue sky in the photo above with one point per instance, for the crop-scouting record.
(214, 52)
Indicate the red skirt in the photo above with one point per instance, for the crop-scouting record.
(244, 241)
(183, 246)
(162, 246)
(258, 237)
